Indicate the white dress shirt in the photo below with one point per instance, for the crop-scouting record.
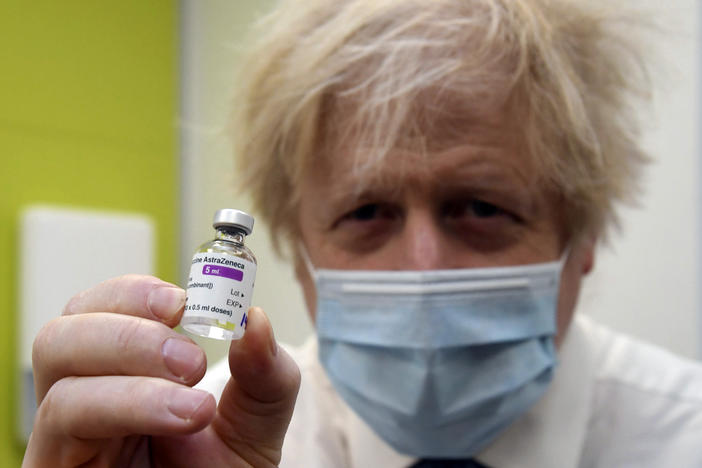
(614, 403)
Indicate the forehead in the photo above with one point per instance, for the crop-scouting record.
(432, 146)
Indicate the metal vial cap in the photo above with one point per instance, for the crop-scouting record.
(233, 218)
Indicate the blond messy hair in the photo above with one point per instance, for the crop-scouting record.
(568, 67)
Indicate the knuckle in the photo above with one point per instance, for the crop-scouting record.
(133, 281)
(54, 420)
(136, 338)
(44, 342)
(116, 290)
(112, 293)
(131, 289)
(129, 278)
(72, 304)
(49, 412)
(129, 335)
(138, 390)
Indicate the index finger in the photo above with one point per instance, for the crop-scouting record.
(137, 295)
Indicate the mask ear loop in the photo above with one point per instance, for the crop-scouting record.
(308, 262)
(564, 256)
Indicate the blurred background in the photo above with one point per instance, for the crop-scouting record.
(114, 156)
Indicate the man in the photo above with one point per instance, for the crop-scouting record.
(441, 172)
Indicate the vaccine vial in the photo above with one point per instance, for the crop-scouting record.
(221, 280)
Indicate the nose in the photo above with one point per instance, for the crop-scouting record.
(422, 245)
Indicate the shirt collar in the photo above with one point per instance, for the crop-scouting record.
(550, 435)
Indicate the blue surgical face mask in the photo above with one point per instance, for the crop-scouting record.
(438, 363)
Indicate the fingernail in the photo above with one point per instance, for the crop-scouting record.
(184, 402)
(182, 358)
(165, 302)
(273, 343)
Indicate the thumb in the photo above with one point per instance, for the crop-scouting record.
(258, 401)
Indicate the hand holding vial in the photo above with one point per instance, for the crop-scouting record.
(113, 386)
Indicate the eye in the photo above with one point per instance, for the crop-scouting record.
(472, 209)
(368, 217)
(369, 213)
(365, 212)
(483, 209)
(484, 225)
(367, 226)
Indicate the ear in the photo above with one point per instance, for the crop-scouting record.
(587, 251)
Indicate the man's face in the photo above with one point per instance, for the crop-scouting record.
(476, 203)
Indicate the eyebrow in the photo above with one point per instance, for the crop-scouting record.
(357, 193)
(471, 168)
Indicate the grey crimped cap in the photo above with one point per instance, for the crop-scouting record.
(233, 218)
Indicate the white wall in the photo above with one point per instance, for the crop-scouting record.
(647, 284)
(211, 34)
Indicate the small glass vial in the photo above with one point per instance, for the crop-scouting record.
(221, 280)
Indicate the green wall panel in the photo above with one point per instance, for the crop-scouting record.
(88, 104)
